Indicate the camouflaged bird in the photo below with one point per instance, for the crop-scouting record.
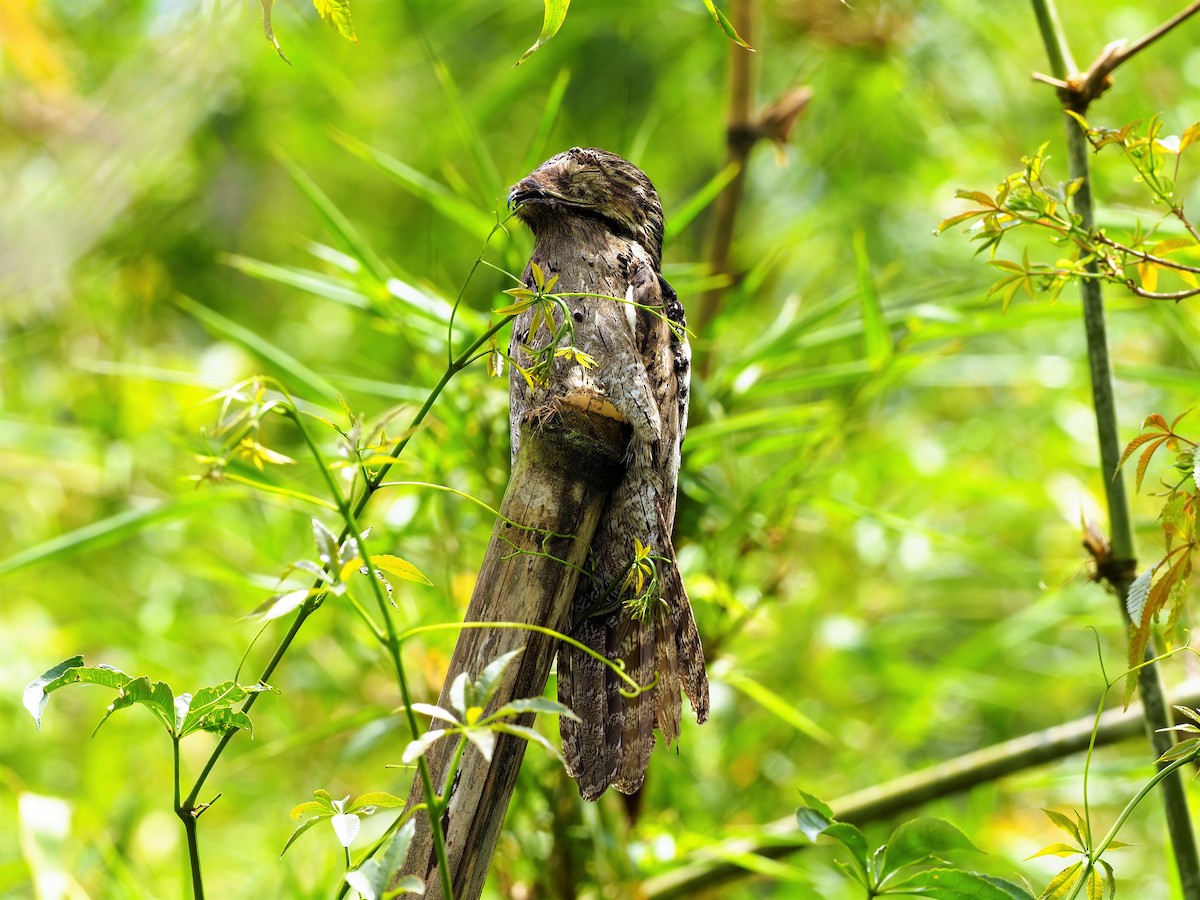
(598, 226)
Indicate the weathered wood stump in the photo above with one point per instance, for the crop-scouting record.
(568, 464)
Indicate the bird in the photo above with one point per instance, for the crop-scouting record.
(617, 331)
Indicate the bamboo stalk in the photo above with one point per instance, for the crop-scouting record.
(1121, 573)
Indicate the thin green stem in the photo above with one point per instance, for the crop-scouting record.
(187, 815)
(1062, 64)
(1155, 713)
(1160, 776)
(393, 647)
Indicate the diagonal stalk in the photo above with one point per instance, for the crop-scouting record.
(1124, 567)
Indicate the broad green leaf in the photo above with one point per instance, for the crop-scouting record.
(920, 839)
(35, 697)
(401, 568)
(314, 807)
(155, 696)
(552, 20)
(725, 25)
(373, 800)
(812, 822)
(337, 13)
(105, 676)
(851, 838)
(955, 884)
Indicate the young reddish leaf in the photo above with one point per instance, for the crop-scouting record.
(1144, 461)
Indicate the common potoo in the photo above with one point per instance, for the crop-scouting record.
(598, 228)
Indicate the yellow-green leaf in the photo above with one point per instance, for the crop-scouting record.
(556, 14)
(337, 14)
(1190, 136)
(401, 568)
(725, 25)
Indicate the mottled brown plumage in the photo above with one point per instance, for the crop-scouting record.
(598, 226)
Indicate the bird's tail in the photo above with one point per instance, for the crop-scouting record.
(656, 639)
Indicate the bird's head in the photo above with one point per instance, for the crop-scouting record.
(593, 184)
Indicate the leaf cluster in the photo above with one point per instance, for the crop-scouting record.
(911, 862)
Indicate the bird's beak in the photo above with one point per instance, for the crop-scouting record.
(524, 190)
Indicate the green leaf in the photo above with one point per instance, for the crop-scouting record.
(327, 546)
(155, 696)
(781, 708)
(552, 20)
(348, 236)
(373, 800)
(851, 838)
(955, 884)
(394, 565)
(278, 605)
(489, 679)
(1056, 849)
(919, 839)
(1066, 825)
(223, 327)
(36, 697)
(337, 14)
(682, 217)
(535, 705)
(1060, 885)
(108, 531)
(528, 734)
(725, 25)
(371, 878)
(300, 829)
(877, 336)
(444, 201)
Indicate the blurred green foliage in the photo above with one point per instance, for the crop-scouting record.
(879, 519)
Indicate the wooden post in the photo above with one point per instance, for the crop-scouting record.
(561, 480)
